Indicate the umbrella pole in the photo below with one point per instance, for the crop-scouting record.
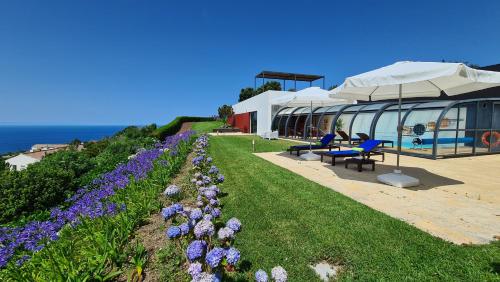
(310, 128)
(400, 128)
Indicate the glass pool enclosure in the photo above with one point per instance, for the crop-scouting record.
(431, 129)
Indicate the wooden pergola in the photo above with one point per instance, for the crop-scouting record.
(288, 76)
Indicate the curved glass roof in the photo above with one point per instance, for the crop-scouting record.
(458, 134)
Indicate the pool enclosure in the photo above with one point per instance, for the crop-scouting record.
(432, 129)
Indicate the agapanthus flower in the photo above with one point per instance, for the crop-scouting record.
(168, 212)
(225, 233)
(204, 228)
(198, 175)
(178, 207)
(214, 257)
(220, 178)
(208, 217)
(194, 269)
(196, 249)
(196, 214)
(207, 209)
(261, 276)
(199, 183)
(234, 224)
(206, 179)
(209, 159)
(21, 261)
(213, 170)
(205, 277)
(210, 194)
(214, 202)
(163, 162)
(199, 204)
(172, 191)
(173, 232)
(232, 256)
(279, 274)
(184, 228)
(216, 212)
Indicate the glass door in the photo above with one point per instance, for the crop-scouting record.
(253, 122)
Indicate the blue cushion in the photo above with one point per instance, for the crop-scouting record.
(327, 139)
(369, 145)
(343, 153)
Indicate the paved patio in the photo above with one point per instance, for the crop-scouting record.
(458, 200)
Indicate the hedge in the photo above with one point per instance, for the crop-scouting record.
(174, 126)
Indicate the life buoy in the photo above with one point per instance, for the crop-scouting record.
(485, 137)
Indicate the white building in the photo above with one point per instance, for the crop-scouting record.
(255, 115)
(22, 161)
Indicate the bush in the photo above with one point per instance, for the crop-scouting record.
(174, 126)
(49, 182)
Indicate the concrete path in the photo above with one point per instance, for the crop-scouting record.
(458, 200)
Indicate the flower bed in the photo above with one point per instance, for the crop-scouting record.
(86, 241)
(206, 242)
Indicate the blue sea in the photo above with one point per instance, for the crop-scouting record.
(15, 138)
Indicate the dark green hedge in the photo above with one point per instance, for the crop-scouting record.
(174, 126)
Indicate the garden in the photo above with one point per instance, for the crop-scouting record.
(224, 214)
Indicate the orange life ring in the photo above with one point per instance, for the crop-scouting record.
(485, 137)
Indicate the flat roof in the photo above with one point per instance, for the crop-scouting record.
(288, 76)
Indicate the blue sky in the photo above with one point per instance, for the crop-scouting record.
(137, 62)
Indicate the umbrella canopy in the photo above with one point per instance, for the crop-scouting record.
(419, 79)
(412, 80)
(315, 95)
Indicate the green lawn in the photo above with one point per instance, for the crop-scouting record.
(291, 221)
(206, 126)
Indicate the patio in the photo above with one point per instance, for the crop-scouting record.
(457, 201)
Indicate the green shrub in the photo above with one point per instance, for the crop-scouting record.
(174, 126)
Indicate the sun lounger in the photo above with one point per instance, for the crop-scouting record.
(365, 137)
(366, 149)
(324, 144)
(345, 137)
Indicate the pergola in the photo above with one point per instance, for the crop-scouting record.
(288, 76)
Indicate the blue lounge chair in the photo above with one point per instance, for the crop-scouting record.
(368, 147)
(325, 143)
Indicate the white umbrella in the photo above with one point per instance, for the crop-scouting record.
(312, 97)
(410, 80)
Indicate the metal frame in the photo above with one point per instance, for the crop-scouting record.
(352, 122)
(275, 116)
(341, 112)
(309, 116)
(288, 120)
(321, 118)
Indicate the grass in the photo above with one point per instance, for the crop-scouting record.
(206, 126)
(291, 221)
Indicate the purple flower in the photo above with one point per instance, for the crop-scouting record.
(214, 202)
(220, 178)
(196, 214)
(214, 257)
(261, 276)
(208, 217)
(213, 170)
(206, 277)
(279, 274)
(234, 224)
(196, 249)
(177, 207)
(210, 194)
(173, 232)
(168, 212)
(225, 233)
(209, 160)
(194, 269)
(21, 261)
(172, 191)
(232, 256)
(199, 204)
(184, 228)
(216, 212)
(204, 228)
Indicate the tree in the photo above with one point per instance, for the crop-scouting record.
(339, 124)
(225, 111)
(332, 87)
(249, 92)
(270, 85)
(246, 93)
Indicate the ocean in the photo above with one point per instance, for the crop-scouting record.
(15, 138)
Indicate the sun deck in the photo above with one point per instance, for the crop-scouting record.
(458, 200)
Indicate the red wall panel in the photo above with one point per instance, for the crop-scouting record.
(241, 121)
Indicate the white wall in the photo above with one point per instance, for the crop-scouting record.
(262, 105)
(20, 162)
